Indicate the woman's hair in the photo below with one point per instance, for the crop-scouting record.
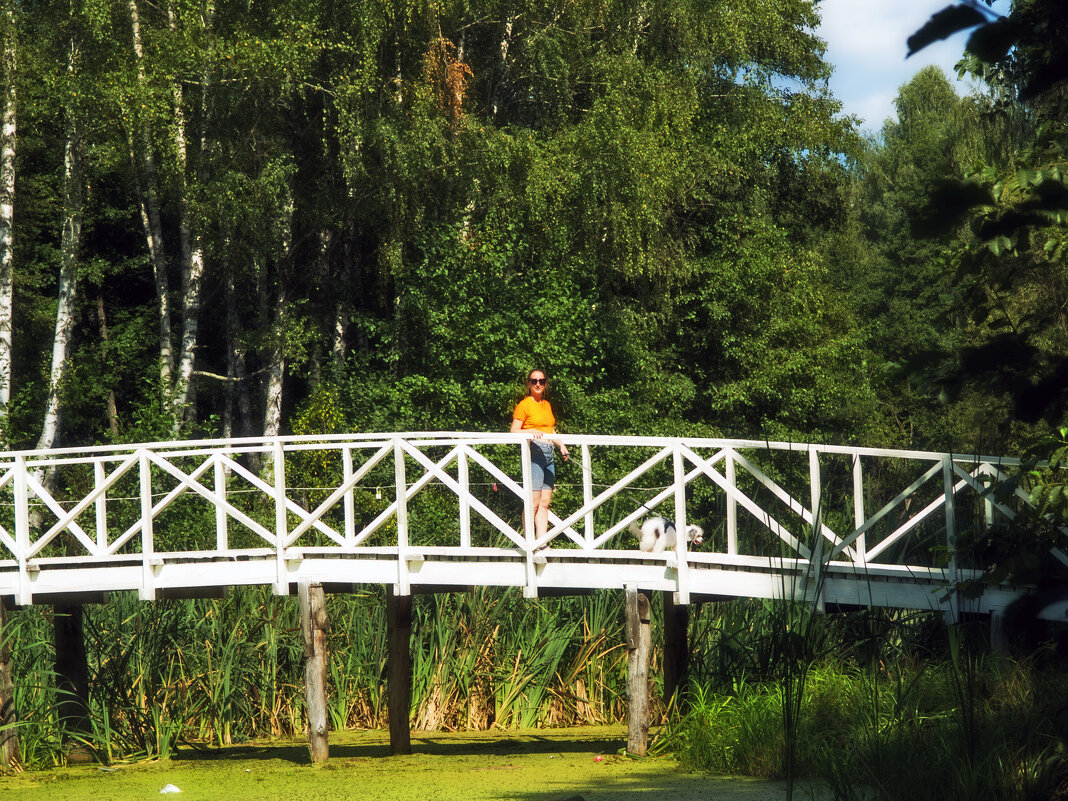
(537, 370)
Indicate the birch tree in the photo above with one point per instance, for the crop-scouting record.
(148, 197)
(70, 245)
(8, 141)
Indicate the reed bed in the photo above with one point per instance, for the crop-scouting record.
(168, 673)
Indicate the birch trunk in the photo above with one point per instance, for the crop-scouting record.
(340, 346)
(8, 141)
(148, 197)
(68, 279)
(102, 324)
(236, 374)
(502, 63)
(272, 416)
(192, 245)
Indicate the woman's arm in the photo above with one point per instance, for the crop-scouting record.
(563, 448)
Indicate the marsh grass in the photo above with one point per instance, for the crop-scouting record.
(892, 731)
(168, 674)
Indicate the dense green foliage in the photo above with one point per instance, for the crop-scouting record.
(407, 206)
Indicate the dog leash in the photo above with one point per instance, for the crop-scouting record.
(593, 478)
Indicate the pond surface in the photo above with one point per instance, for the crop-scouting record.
(531, 765)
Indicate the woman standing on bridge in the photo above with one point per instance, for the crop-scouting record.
(535, 414)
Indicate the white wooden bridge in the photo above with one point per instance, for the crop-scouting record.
(440, 511)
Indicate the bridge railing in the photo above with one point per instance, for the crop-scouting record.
(377, 507)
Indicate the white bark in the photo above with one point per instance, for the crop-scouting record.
(192, 248)
(236, 383)
(150, 212)
(8, 141)
(502, 62)
(102, 324)
(341, 323)
(68, 281)
(272, 416)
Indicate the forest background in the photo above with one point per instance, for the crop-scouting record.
(253, 217)
(244, 218)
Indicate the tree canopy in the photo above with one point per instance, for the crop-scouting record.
(275, 216)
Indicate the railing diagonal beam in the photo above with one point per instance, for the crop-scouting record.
(504, 479)
(914, 521)
(338, 495)
(762, 516)
(61, 515)
(203, 491)
(437, 470)
(613, 490)
(792, 503)
(289, 505)
(885, 510)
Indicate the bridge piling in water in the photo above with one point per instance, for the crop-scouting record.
(676, 648)
(639, 649)
(399, 669)
(314, 623)
(72, 675)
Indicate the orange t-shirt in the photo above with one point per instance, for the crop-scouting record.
(535, 414)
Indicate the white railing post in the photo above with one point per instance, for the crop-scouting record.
(222, 540)
(953, 614)
(530, 589)
(732, 504)
(404, 586)
(147, 591)
(281, 527)
(587, 492)
(815, 486)
(101, 506)
(22, 530)
(858, 509)
(682, 568)
(463, 475)
(350, 499)
(988, 502)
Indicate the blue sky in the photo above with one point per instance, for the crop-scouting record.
(866, 44)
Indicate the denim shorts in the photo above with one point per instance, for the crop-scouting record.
(542, 469)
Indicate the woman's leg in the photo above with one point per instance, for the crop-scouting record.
(541, 511)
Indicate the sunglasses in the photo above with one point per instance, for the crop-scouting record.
(539, 381)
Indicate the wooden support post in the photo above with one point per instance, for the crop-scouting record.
(639, 648)
(676, 648)
(72, 677)
(399, 689)
(9, 741)
(999, 634)
(314, 623)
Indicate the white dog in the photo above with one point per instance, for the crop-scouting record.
(658, 534)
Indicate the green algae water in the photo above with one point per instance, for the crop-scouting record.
(529, 765)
